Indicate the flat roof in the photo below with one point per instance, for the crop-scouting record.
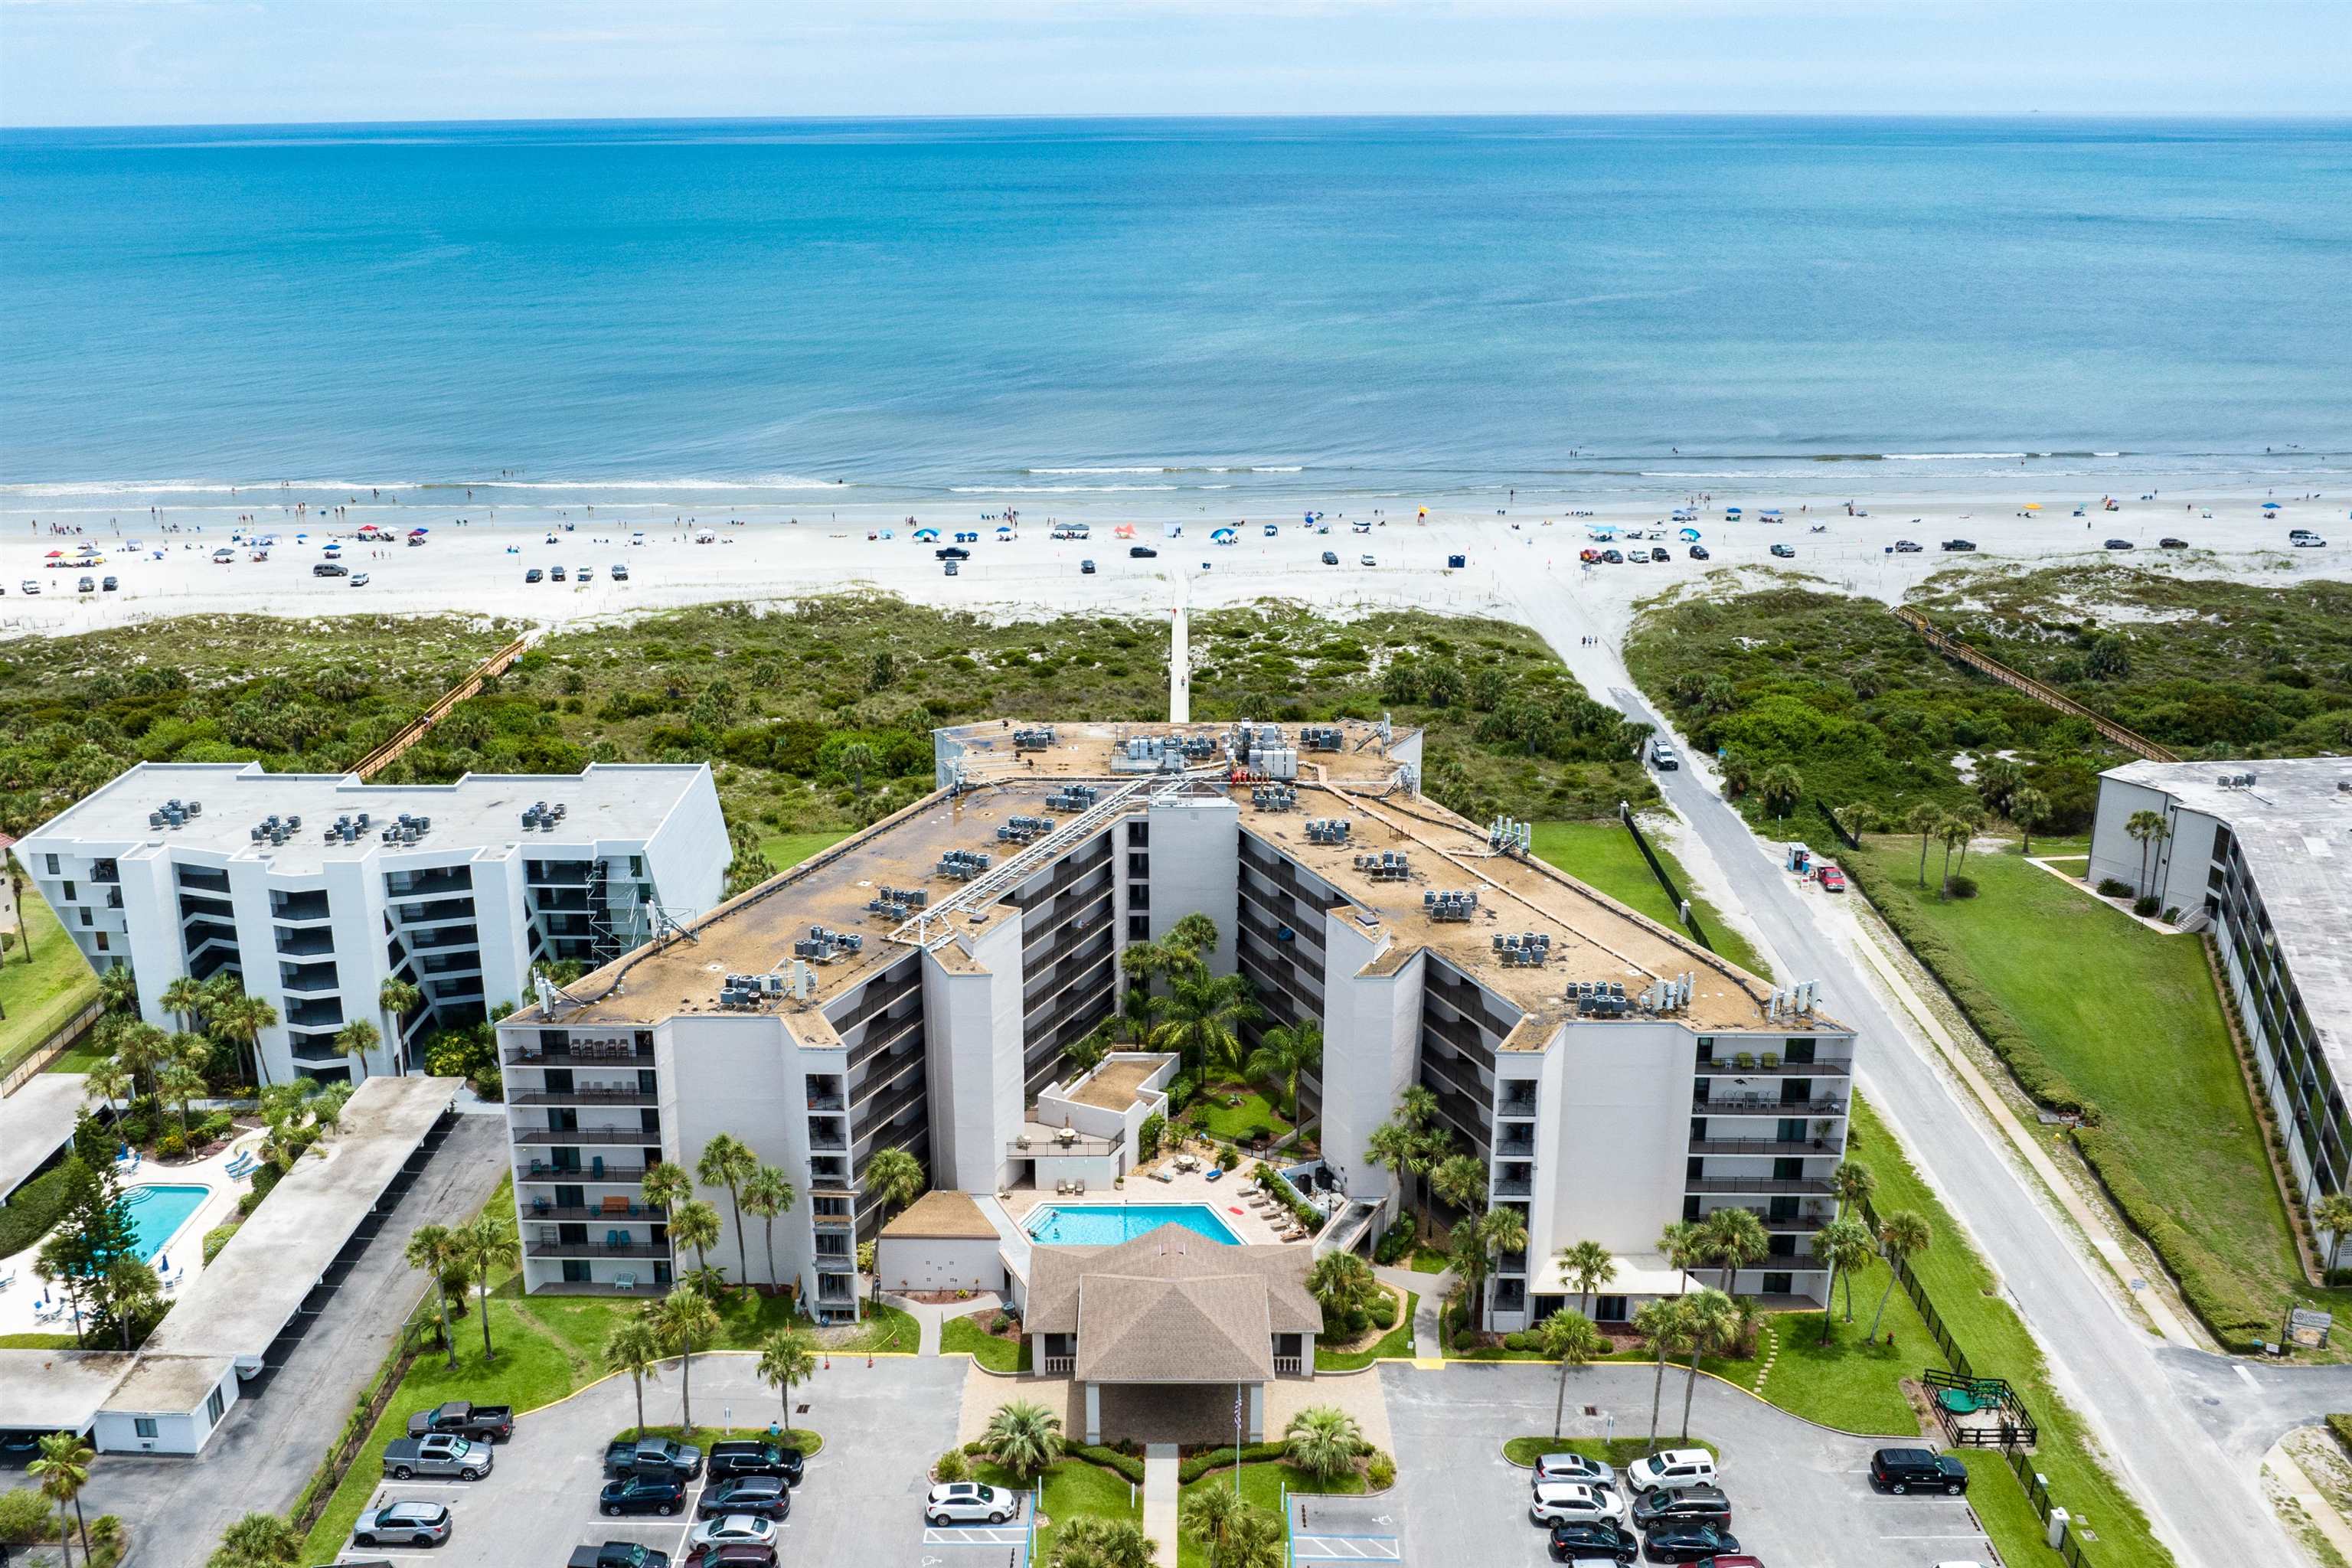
(940, 1214)
(1116, 1084)
(1092, 749)
(246, 1294)
(2294, 829)
(605, 802)
(58, 1390)
(35, 1123)
(169, 1384)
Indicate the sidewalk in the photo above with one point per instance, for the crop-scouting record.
(1159, 1498)
(931, 1316)
(1428, 1347)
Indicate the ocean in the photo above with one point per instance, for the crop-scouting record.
(1212, 312)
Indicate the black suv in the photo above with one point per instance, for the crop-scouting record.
(1901, 1470)
(1588, 1538)
(1961, 544)
(1687, 1505)
(766, 1497)
(1141, 553)
(642, 1494)
(755, 1458)
(1689, 1544)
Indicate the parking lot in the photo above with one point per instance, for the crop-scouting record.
(1799, 1494)
(860, 1499)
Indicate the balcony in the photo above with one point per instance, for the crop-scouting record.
(438, 910)
(208, 878)
(555, 873)
(830, 1136)
(428, 884)
(1514, 1187)
(314, 979)
(1058, 1142)
(587, 1136)
(1764, 1105)
(832, 1102)
(636, 1211)
(1806, 1187)
(1787, 1148)
(622, 1097)
(601, 1052)
(1288, 1365)
(299, 907)
(877, 998)
(1725, 1068)
(598, 1172)
(314, 1014)
(1514, 1148)
(832, 1221)
(305, 943)
(595, 1249)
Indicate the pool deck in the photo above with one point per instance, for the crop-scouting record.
(1143, 1190)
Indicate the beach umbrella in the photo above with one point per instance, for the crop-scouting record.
(1222, 535)
(412, 531)
(1769, 512)
(2033, 506)
(2270, 506)
(1731, 512)
(927, 534)
(1690, 536)
(55, 553)
(1004, 528)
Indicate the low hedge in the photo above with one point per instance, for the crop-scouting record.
(1127, 1465)
(1201, 1464)
(36, 1209)
(27, 1518)
(217, 1237)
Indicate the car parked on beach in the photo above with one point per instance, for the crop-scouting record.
(1365, 559)
(1330, 558)
(2169, 542)
(2309, 541)
(1960, 544)
(1832, 880)
(1785, 552)
(1141, 553)
(2119, 544)
(330, 568)
(1698, 552)
(1086, 568)
(86, 585)
(534, 576)
(1614, 557)
(29, 586)
(109, 585)
(555, 573)
(359, 580)
(620, 570)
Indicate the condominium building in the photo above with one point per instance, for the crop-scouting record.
(314, 888)
(913, 987)
(2262, 852)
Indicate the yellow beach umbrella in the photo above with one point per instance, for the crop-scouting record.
(2033, 506)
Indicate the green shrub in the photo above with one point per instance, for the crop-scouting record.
(1384, 1310)
(1523, 1340)
(1379, 1471)
(26, 1217)
(1148, 1136)
(1395, 1243)
(217, 1126)
(2341, 1426)
(1227, 1159)
(26, 1517)
(1354, 1322)
(216, 1238)
(2110, 888)
(171, 1145)
(1961, 887)
(1111, 1460)
(2145, 907)
(1208, 1459)
(952, 1465)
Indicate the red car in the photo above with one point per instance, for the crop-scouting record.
(1831, 878)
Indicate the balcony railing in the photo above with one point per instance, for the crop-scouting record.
(587, 1135)
(830, 1136)
(584, 1097)
(1514, 1187)
(1725, 1068)
(595, 1249)
(636, 1211)
(1056, 1147)
(1288, 1365)
(581, 1175)
(1809, 1187)
(532, 1056)
(1787, 1148)
(832, 1102)
(1059, 1365)
(1764, 1105)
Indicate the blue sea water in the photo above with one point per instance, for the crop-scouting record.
(1430, 308)
(1107, 1224)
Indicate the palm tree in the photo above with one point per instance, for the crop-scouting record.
(686, 1321)
(1203, 1014)
(2332, 1214)
(787, 1356)
(1570, 1339)
(895, 1177)
(354, 1040)
(1091, 1540)
(184, 998)
(1191, 936)
(1137, 1009)
(695, 1224)
(1711, 1322)
(857, 759)
(1952, 832)
(258, 1540)
(1408, 1143)
(107, 1081)
(1778, 786)
(667, 1185)
(1460, 1182)
(1323, 1440)
(768, 1193)
(1734, 1238)
(1025, 1437)
(1852, 1183)
(237, 1019)
(1477, 1242)
(17, 903)
(433, 1249)
(1924, 819)
(1589, 1265)
(1283, 1054)
(63, 1469)
(1341, 1282)
(1663, 1324)
(1902, 1235)
(2145, 828)
(727, 1162)
(140, 1045)
(1847, 1245)
(1209, 1515)
(1085, 1053)
(1684, 1244)
(488, 1244)
(395, 999)
(2028, 807)
(179, 1083)
(635, 1347)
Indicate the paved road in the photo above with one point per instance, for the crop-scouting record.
(2196, 1477)
(270, 1444)
(1799, 1494)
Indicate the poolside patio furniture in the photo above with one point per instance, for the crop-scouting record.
(1078, 1187)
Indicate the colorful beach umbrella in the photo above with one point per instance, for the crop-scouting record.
(1690, 536)
(2270, 506)
(927, 534)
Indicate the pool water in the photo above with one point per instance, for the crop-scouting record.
(158, 1213)
(1107, 1224)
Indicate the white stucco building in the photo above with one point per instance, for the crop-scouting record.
(314, 888)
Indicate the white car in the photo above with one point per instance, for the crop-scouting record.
(969, 1503)
(1365, 559)
(733, 1529)
(29, 586)
(1673, 1467)
(1573, 1502)
(1574, 1467)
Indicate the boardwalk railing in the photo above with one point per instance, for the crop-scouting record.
(1953, 648)
(384, 756)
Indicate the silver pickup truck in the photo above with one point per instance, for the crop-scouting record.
(439, 1455)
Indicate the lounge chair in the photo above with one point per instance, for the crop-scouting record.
(8, 1278)
(625, 1281)
(1078, 1187)
(540, 1206)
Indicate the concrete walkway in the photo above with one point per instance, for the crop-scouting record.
(931, 1316)
(1159, 1497)
(1428, 1343)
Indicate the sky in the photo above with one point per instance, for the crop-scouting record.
(170, 62)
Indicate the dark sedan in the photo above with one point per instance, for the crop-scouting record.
(2119, 544)
(1582, 1541)
(1689, 1542)
(642, 1494)
(1687, 1505)
(1698, 552)
(762, 1497)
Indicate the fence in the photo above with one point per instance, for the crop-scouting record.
(2037, 1493)
(1674, 894)
(1851, 840)
(1953, 648)
(55, 1044)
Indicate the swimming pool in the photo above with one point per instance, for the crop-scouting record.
(1106, 1225)
(158, 1213)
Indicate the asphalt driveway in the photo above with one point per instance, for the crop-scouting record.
(859, 1500)
(1799, 1494)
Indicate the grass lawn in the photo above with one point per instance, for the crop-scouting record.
(1429, 1260)
(1617, 1451)
(1846, 1383)
(44, 993)
(2000, 1501)
(1071, 1487)
(1997, 1340)
(1604, 854)
(36, 1341)
(1236, 1123)
(2148, 1042)
(886, 1328)
(1263, 1484)
(787, 850)
(1397, 1341)
(966, 1336)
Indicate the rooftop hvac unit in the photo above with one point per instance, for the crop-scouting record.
(1507, 836)
(1449, 906)
(1033, 738)
(1321, 738)
(1274, 797)
(1328, 829)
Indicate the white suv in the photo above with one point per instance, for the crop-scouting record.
(969, 1503)
(1573, 1502)
(1674, 1467)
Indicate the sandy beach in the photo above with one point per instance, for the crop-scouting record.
(478, 567)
